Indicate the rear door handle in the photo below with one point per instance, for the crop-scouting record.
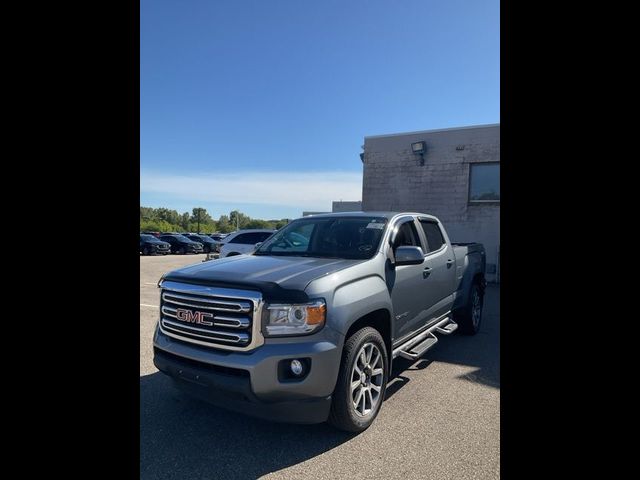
(426, 272)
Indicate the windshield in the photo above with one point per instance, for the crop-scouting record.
(200, 238)
(328, 237)
(182, 238)
(147, 237)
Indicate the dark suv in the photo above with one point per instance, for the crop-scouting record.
(181, 244)
(207, 242)
(150, 245)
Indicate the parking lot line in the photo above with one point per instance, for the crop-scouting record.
(147, 305)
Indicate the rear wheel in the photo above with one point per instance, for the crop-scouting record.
(362, 381)
(470, 317)
(182, 251)
(146, 251)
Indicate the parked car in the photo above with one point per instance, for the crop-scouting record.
(307, 331)
(218, 236)
(243, 241)
(150, 245)
(181, 244)
(155, 234)
(208, 243)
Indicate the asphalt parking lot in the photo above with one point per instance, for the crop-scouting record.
(440, 418)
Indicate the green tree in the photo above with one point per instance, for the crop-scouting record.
(255, 223)
(169, 216)
(147, 213)
(166, 220)
(204, 215)
(224, 226)
(200, 218)
(184, 221)
(238, 219)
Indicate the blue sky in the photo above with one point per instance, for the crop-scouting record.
(262, 106)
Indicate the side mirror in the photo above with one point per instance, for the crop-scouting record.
(257, 246)
(409, 256)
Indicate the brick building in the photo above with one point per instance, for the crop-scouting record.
(457, 179)
(346, 206)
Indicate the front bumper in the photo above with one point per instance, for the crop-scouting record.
(248, 382)
(155, 249)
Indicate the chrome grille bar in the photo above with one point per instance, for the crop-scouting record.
(235, 314)
(232, 322)
(239, 337)
(222, 305)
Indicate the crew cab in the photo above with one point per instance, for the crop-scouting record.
(306, 328)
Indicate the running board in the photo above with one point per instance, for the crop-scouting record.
(448, 329)
(418, 345)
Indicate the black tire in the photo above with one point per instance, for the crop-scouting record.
(182, 251)
(343, 415)
(465, 316)
(146, 251)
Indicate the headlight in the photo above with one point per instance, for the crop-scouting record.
(299, 319)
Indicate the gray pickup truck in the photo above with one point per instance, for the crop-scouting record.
(305, 329)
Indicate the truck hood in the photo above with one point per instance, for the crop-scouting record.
(269, 274)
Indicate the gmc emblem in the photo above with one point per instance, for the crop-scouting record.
(193, 317)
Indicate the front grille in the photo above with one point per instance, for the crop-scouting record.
(215, 317)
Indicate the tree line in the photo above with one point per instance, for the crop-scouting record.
(166, 220)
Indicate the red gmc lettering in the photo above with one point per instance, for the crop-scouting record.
(193, 317)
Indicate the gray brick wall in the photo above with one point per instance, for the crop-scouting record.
(346, 206)
(394, 180)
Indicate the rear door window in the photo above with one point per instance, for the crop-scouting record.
(243, 238)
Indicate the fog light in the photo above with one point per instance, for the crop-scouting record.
(296, 367)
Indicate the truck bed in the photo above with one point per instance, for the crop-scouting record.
(470, 260)
(467, 248)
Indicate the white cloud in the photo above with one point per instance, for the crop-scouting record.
(304, 190)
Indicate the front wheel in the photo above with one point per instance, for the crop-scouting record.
(362, 381)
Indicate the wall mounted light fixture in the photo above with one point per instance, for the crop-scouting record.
(419, 148)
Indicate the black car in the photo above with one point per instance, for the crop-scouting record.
(181, 244)
(208, 243)
(150, 245)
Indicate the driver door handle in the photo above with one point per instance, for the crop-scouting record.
(449, 263)
(426, 272)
